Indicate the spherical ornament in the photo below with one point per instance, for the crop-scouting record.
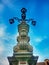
(23, 10)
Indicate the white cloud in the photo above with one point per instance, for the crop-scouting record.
(11, 41)
(39, 39)
(38, 53)
(2, 33)
(17, 34)
(4, 36)
(4, 61)
(2, 30)
(1, 47)
(6, 39)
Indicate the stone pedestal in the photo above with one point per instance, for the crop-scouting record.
(23, 58)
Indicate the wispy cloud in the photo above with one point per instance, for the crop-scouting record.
(2, 30)
(5, 48)
(3, 61)
(36, 52)
(9, 4)
(1, 47)
(38, 39)
(2, 33)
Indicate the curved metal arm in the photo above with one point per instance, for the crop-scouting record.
(23, 18)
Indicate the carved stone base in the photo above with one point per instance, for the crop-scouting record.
(23, 59)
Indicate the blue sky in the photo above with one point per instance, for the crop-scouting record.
(39, 35)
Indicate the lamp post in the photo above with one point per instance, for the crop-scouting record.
(23, 51)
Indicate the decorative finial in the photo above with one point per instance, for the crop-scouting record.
(23, 15)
